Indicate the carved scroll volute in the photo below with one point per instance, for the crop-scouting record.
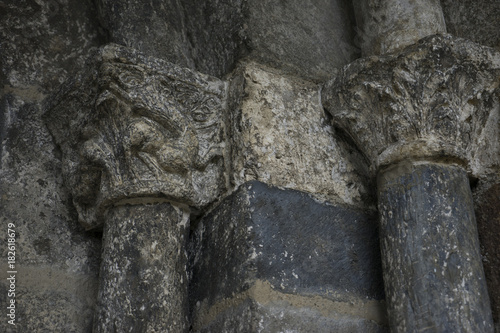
(135, 127)
(430, 101)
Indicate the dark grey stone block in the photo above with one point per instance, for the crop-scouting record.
(285, 237)
(432, 264)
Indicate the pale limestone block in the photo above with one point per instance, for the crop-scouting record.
(281, 136)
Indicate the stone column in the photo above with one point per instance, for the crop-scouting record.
(141, 143)
(143, 277)
(432, 265)
(416, 116)
(390, 25)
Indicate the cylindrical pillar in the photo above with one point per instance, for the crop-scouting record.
(432, 266)
(143, 277)
(389, 25)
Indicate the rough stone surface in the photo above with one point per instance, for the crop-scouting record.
(140, 127)
(51, 300)
(143, 278)
(390, 25)
(42, 43)
(439, 98)
(488, 224)
(474, 20)
(430, 250)
(45, 42)
(281, 135)
(298, 245)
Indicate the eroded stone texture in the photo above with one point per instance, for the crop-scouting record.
(437, 99)
(475, 20)
(50, 300)
(280, 135)
(140, 127)
(267, 246)
(141, 131)
(389, 25)
(432, 265)
(143, 277)
(41, 43)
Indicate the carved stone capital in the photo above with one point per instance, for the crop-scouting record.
(430, 101)
(132, 127)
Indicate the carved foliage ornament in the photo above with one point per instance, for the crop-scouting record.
(431, 100)
(132, 126)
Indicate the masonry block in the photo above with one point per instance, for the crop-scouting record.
(271, 255)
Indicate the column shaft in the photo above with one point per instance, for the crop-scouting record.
(432, 266)
(388, 25)
(143, 277)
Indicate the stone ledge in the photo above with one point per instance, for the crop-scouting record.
(270, 310)
(280, 135)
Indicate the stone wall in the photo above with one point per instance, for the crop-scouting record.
(243, 125)
(57, 262)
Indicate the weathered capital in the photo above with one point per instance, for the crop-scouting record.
(430, 101)
(132, 126)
